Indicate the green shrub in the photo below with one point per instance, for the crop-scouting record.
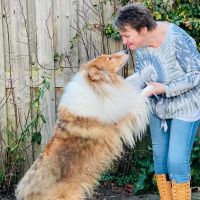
(18, 144)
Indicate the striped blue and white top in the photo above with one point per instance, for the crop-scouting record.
(176, 64)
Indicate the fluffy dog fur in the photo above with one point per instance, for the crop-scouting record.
(97, 113)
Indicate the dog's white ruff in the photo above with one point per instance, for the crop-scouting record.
(119, 101)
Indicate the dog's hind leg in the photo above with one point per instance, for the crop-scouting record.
(64, 191)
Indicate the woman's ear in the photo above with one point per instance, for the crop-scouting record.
(143, 30)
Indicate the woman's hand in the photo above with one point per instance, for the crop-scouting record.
(158, 88)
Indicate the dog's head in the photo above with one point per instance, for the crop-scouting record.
(104, 68)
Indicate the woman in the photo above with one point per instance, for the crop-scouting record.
(166, 58)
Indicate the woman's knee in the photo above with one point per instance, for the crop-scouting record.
(179, 165)
(179, 171)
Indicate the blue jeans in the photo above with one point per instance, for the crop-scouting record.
(172, 149)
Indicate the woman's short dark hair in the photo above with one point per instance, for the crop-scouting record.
(136, 16)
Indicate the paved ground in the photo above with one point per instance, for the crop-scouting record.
(195, 196)
(116, 193)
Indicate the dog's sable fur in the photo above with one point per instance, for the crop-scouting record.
(97, 112)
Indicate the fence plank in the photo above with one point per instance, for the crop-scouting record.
(45, 54)
(5, 58)
(65, 17)
(2, 93)
(2, 74)
(20, 60)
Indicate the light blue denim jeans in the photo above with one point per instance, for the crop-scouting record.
(172, 149)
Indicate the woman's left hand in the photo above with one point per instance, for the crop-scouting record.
(158, 89)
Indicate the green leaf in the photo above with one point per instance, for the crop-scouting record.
(37, 137)
(41, 92)
(140, 184)
(116, 36)
(43, 118)
(157, 15)
(47, 84)
(9, 133)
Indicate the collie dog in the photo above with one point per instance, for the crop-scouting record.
(98, 111)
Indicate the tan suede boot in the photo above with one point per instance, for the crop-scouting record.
(164, 187)
(181, 191)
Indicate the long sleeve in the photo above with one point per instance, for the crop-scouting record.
(135, 80)
(144, 70)
(188, 58)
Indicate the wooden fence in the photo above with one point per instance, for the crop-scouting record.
(45, 39)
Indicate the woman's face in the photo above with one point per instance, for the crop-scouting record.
(132, 38)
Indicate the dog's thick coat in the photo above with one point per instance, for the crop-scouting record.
(97, 112)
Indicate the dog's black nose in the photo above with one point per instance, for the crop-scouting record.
(124, 51)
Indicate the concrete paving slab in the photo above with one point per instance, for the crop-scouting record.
(195, 196)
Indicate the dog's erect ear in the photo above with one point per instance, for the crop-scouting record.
(96, 74)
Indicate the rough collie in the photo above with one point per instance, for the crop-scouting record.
(98, 111)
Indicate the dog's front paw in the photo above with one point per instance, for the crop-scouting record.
(147, 90)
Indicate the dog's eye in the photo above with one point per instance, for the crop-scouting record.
(110, 58)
